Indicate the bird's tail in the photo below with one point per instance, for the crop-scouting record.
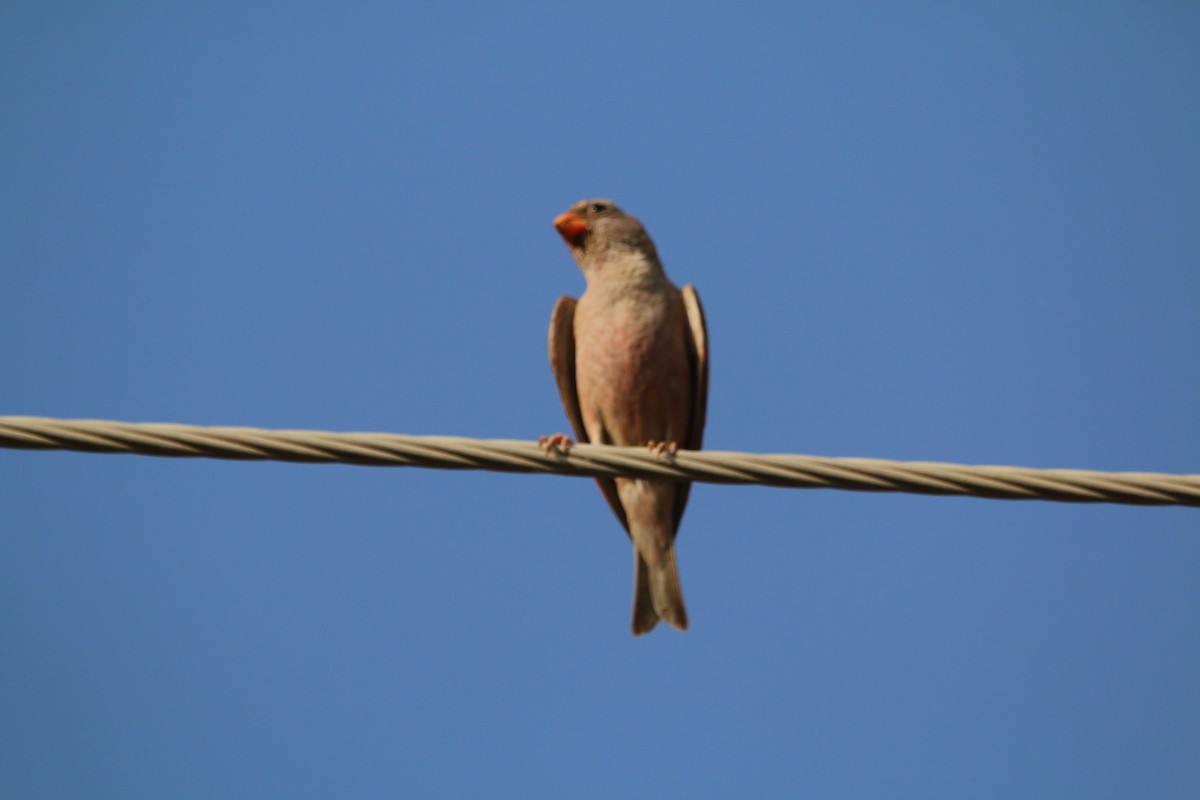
(657, 593)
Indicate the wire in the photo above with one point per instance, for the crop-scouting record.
(503, 455)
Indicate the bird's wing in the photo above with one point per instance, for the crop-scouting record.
(698, 356)
(562, 364)
(698, 351)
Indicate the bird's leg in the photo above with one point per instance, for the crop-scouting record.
(559, 443)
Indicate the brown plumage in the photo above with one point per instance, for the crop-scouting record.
(631, 362)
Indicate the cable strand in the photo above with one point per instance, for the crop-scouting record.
(503, 455)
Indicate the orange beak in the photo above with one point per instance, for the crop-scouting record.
(571, 227)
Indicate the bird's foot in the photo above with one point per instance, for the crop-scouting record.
(558, 443)
(662, 450)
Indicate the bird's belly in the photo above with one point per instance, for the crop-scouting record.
(633, 382)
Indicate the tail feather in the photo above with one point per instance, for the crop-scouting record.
(657, 594)
(644, 615)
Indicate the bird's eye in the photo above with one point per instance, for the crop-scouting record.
(599, 208)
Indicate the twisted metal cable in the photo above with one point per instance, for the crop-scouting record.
(503, 455)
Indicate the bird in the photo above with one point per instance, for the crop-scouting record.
(630, 360)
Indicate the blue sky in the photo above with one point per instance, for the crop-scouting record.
(958, 232)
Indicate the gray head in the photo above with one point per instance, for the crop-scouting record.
(596, 231)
